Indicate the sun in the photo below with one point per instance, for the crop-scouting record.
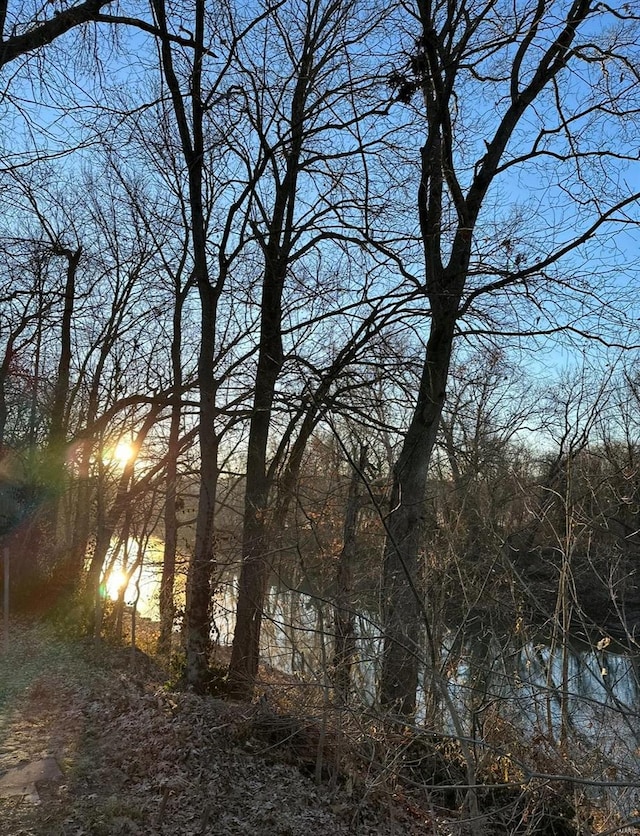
(123, 452)
(115, 583)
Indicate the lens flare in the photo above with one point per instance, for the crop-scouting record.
(123, 452)
(116, 582)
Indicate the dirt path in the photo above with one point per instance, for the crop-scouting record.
(43, 688)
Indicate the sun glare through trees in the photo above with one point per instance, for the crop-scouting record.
(319, 324)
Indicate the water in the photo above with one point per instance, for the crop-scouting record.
(566, 711)
(575, 703)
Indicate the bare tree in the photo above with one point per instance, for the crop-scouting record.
(43, 26)
(192, 104)
(521, 62)
(344, 613)
(303, 115)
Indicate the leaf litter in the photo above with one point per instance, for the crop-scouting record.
(136, 757)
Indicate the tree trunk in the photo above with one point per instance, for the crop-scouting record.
(344, 609)
(202, 563)
(403, 605)
(57, 437)
(254, 574)
(105, 530)
(108, 520)
(167, 608)
(190, 123)
(166, 602)
(5, 367)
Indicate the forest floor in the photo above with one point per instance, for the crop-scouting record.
(94, 742)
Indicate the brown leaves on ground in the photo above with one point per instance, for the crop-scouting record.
(137, 758)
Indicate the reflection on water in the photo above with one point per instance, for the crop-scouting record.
(539, 683)
(583, 699)
(297, 635)
(137, 572)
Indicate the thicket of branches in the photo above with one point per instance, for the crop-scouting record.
(337, 297)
